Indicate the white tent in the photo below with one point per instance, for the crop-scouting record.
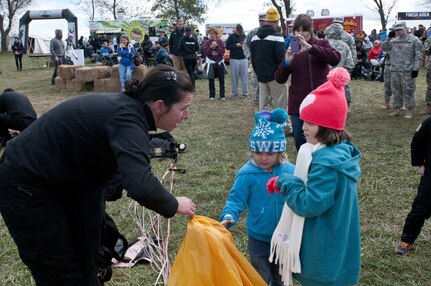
(38, 43)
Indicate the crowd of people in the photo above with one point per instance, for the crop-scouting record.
(303, 218)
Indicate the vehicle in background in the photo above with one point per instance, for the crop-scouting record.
(351, 23)
(134, 29)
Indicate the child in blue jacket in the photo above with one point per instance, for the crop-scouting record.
(323, 192)
(268, 159)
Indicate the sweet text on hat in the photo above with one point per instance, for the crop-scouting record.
(268, 132)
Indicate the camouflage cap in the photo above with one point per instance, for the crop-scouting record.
(338, 20)
(399, 26)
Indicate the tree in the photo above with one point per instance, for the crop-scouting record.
(425, 3)
(108, 9)
(9, 9)
(89, 7)
(112, 6)
(189, 10)
(384, 10)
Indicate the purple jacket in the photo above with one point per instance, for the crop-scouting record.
(214, 54)
(309, 70)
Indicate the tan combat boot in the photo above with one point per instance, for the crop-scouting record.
(395, 113)
(409, 114)
(386, 104)
(427, 111)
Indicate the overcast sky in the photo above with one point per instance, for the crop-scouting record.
(238, 11)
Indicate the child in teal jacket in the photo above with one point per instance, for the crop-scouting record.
(267, 145)
(327, 199)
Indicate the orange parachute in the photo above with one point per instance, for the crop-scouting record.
(208, 256)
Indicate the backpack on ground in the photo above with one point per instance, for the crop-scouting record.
(113, 245)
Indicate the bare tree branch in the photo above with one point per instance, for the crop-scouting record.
(383, 9)
(8, 11)
(89, 7)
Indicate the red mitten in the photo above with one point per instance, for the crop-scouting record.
(271, 185)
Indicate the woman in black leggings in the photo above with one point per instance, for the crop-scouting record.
(18, 49)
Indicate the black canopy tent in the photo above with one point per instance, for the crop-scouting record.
(47, 15)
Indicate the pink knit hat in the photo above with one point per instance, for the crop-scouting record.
(326, 106)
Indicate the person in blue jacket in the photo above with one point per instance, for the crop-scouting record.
(126, 65)
(330, 247)
(268, 159)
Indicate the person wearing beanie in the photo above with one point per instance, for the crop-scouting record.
(309, 68)
(238, 62)
(267, 51)
(267, 145)
(322, 215)
(188, 47)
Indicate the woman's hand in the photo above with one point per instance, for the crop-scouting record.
(186, 207)
(288, 56)
(305, 47)
(421, 170)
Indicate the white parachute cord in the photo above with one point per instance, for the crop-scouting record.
(155, 233)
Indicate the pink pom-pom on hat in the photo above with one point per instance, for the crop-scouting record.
(326, 106)
(339, 76)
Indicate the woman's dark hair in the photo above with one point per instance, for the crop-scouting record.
(146, 37)
(162, 82)
(125, 36)
(304, 21)
(330, 137)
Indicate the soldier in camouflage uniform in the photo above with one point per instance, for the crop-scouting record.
(334, 34)
(427, 48)
(406, 59)
(346, 37)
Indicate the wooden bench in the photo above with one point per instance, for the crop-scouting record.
(35, 59)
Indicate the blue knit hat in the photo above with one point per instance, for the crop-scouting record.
(268, 133)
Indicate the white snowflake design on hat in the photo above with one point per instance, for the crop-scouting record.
(263, 129)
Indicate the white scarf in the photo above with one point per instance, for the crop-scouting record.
(286, 239)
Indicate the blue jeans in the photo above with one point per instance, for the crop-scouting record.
(259, 255)
(298, 134)
(125, 73)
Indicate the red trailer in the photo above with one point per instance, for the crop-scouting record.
(351, 23)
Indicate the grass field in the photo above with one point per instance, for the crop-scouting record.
(216, 136)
